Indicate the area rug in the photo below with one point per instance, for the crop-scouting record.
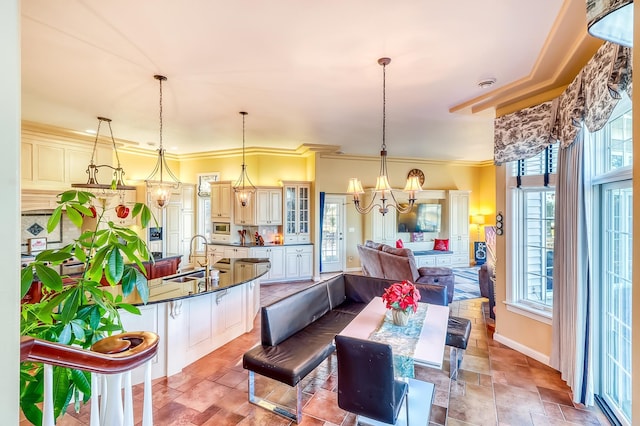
(466, 283)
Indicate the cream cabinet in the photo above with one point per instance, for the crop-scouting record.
(379, 228)
(221, 196)
(236, 252)
(276, 256)
(179, 222)
(215, 253)
(245, 216)
(297, 199)
(269, 206)
(299, 262)
(51, 162)
(458, 215)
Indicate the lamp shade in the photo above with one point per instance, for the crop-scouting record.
(477, 219)
(413, 184)
(611, 20)
(355, 187)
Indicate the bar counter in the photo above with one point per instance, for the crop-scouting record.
(191, 283)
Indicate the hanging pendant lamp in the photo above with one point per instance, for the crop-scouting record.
(383, 190)
(117, 178)
(158, 186)
(243, 187)
(611, 20)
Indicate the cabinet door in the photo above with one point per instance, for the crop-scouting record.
(303, 213)
(277, 259)
(275, 206)
(291, 264)
(225, 201)
(172, 230)
(245, 215)
(215, 253)
(305, 267)
(290, 223)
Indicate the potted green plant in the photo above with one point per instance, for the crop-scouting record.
(80, 310)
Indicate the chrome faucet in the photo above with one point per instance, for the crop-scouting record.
(206, 256)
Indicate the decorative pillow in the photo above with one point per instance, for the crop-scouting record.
(399, 243)
(373, 245)
(442, 245)
(396, 251)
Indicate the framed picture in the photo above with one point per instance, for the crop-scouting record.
(204, 180)
(36, 245)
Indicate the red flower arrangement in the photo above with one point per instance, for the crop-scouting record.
(402, 296)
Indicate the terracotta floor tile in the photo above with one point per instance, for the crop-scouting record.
(582, 417)
(552, 395)
(552, 410)
(324, 405)
(495, 384)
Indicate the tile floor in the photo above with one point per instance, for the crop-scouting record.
(496, 386)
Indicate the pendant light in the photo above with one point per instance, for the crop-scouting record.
(117, 180)
(243, 187)
(383, 190)
(611, 20)
(158, 187)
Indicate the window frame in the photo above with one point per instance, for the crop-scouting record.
(515, 231)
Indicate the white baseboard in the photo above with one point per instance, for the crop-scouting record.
(538, 356)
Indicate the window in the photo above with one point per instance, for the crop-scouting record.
(532, 201)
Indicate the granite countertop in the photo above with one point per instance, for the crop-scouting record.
(249, 245)
(191, 283)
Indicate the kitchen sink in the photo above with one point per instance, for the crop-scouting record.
(183, 279)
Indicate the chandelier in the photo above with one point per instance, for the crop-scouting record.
(157, 187)
(383, 190)
(243, 187)
(117, 180)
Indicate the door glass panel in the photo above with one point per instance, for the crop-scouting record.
(617, 211)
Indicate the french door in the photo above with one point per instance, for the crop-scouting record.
(332, 248)
(616, 309)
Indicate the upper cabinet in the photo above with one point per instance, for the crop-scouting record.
(269, 206)
(297, 212)
(245, 216)
(49, 163)
(221, 202)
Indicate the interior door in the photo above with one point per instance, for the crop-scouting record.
(332, 248)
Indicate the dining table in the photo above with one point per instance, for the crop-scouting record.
(427, 331)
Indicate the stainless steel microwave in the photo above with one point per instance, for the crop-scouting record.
(223, 228)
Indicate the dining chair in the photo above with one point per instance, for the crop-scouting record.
(366, 383)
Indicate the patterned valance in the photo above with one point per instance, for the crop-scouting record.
(590, 98)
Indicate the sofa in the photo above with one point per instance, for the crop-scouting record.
(297, 332)
(383, 261)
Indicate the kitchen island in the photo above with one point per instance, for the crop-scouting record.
(193, 317)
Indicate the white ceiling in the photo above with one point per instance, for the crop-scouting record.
(305, 71)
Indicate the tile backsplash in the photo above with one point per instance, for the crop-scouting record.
(33, 224)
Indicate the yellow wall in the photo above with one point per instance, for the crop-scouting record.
(333, 173)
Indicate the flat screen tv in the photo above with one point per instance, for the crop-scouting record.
(421, 218)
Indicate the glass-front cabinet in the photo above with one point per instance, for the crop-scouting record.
(297, 210)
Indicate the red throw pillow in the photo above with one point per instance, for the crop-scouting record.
(399, 243)
(442, 245)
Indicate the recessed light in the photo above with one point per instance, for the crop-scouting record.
(486, 83)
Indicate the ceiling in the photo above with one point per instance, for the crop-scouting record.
(305, 71)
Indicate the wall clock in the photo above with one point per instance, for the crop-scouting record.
(418, 173)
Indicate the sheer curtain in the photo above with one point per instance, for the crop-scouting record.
(572, 323)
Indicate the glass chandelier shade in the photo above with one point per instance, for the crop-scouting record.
(158, 187)
(243, 187)
(383, 196)
(117, 183)
(611, 20)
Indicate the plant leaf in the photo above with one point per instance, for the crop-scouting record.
(115, 266)
(74, 216)
(49, 277)
(26, 278)
(129, 308)
(61, 390)
(71, 305)
(128, 281)
(68, 195)
(54, 220)
(82, 380)
(53, 256)
(142, 287)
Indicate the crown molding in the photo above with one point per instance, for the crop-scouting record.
(411, 160)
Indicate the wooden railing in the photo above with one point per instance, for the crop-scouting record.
(111, 360)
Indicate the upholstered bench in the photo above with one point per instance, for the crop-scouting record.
(458, 332)
(438, 275)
